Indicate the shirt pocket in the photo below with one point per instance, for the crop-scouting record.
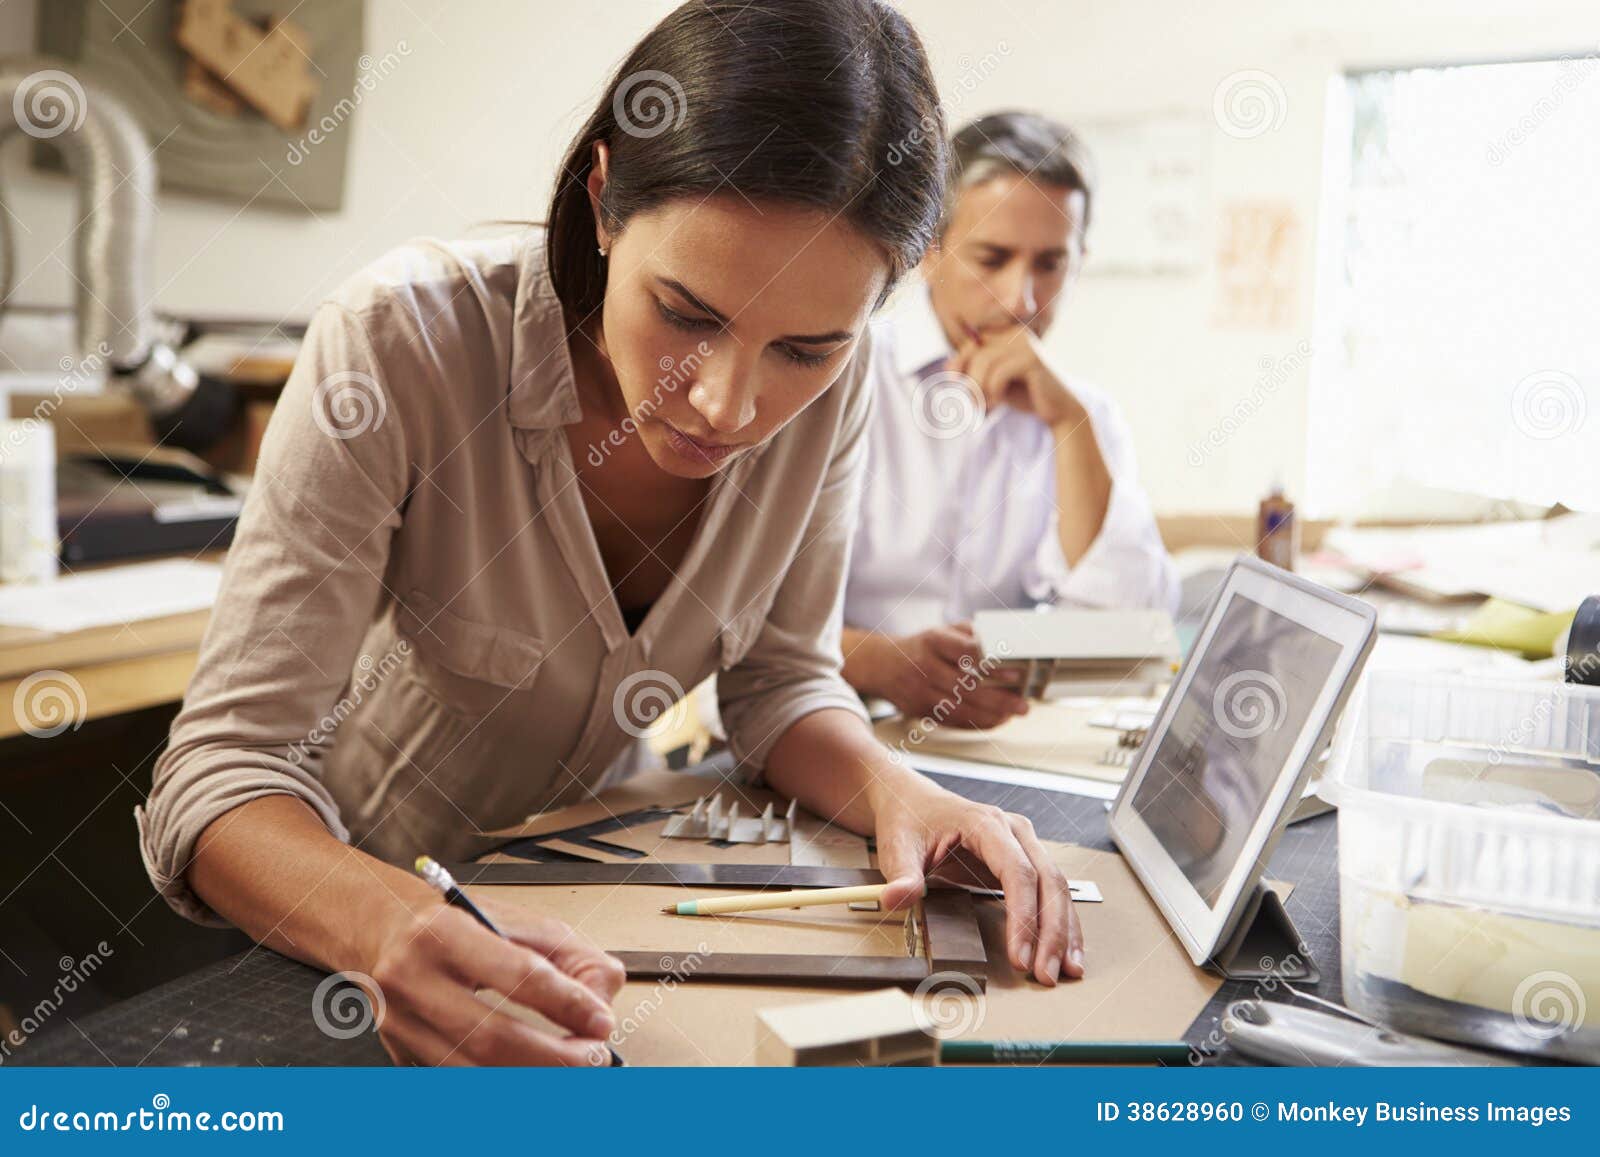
(425, 778)
(468, 665)
(414, 741)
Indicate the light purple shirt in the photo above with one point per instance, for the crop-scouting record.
(959, 508)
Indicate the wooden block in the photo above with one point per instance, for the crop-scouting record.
(268, 70)
(951, 935)
(886, 1027)
(206, 91)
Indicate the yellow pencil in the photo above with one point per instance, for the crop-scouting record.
(804, 898)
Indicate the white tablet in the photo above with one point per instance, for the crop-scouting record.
(1233, 745)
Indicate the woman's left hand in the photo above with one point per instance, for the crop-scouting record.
(925, 831)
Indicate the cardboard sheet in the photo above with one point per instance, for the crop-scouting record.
(1139, 985)
(648, 838)
(1050, 737)
(647, 789)
(629, 918)
(817, 842)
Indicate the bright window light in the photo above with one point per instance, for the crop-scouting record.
(1458, 316)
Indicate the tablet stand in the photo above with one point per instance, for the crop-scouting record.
(1265, 945)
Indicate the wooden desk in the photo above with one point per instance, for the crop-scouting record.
(121, 667)
(254, 1008)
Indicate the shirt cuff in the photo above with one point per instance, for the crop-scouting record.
(183, 806)
(1118, 570)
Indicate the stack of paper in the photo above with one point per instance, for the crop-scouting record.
(1549, 564)
(116, 595)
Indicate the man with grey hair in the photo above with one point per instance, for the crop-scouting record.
(993, 479)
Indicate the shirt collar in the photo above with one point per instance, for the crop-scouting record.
(919, 340)
(540, 391)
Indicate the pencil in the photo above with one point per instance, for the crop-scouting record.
(804, 898)
(1040, 1052)
(444, 883)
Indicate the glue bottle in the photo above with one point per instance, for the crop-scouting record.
(1277, 530)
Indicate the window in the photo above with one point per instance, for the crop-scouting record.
(1458, 315)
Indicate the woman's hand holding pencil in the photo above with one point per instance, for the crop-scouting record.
(431, 966)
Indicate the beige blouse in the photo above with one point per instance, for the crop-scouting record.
(415, 633)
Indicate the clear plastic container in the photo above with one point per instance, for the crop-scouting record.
(1469, 860)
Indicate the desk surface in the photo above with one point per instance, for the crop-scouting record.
(255, 1008)
(120, 667)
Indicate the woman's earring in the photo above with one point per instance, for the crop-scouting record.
(602, 251)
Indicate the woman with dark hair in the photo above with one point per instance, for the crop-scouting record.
(516, 491)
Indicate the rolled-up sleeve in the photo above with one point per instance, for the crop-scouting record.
(795, 665)
(1127, 564)
(301, 585)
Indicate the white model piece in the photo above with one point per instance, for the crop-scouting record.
(706, 821)
(886, 1027)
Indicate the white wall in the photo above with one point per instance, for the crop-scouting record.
(470, 126)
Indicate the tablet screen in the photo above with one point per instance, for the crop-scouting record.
(1230, 736)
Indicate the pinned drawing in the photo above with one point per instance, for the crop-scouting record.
(1258, 265)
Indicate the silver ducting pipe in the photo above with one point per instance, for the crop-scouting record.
(107, 152)
(110, 157)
